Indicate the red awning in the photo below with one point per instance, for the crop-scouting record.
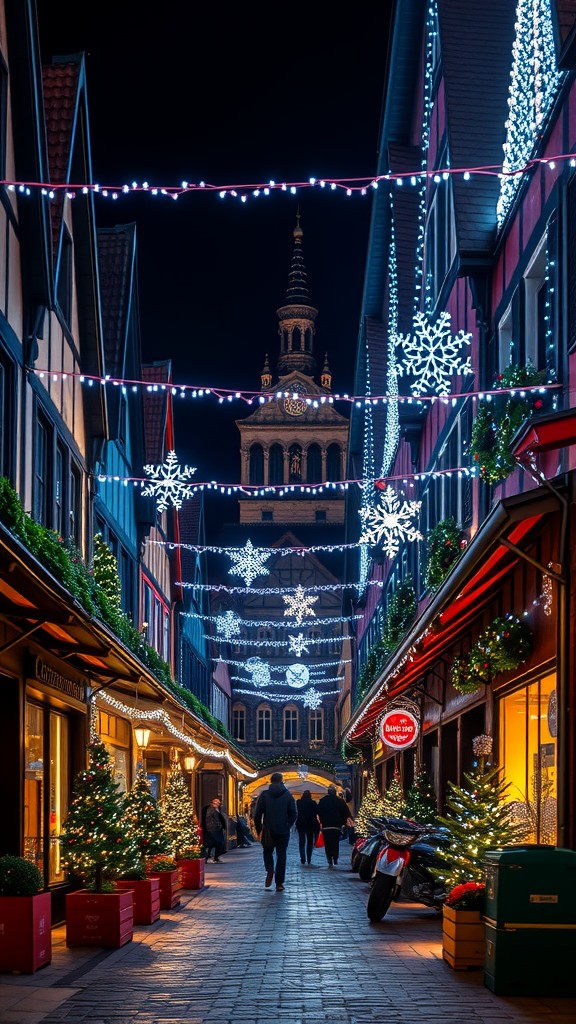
(547, 433)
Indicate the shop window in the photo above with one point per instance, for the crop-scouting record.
(59, 791)
(34, 786)
(115, 734)
(47, 743)
(529, 753)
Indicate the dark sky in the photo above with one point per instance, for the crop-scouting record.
(232, 95)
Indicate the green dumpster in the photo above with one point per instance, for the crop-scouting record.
(530, 921)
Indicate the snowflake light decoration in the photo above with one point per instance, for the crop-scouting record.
(389, 522)
(168, 482)
(228, 625)
(259, 671)
(298, 645)
(312, 699)
(298, 604)
(297, 676)
(248, 563)
(431, 354)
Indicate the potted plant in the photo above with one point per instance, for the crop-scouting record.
(144, 826)
(145, 893)
(181, 827)
(463, 941)
(25, 917)
(166, 870)
(97, 847)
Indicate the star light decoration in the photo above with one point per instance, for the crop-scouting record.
(431, 354)
(298, 604)
(248, 563)
(312, 699)
(298, 645)
(259, 671)
(168, 482)
(228, 625)
(389, 522)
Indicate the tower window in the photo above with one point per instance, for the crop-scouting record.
(320, 515)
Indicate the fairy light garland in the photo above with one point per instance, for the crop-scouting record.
(282, 668)
(243, 642)
(221, 587)
(135, 714)
(281, 698)
(278, 623)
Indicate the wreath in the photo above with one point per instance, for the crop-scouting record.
(497, 422)
(445, 544)
(503, 645)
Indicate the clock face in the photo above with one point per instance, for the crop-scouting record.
(297, 676)
(293, 405)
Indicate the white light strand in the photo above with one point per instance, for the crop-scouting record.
(318, 682)
(282, 698)
(242, 642)
(325, 587)
(135, 714)
(278, 623)
(281, 669)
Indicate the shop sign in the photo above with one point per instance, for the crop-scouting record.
(44, 673)
(399, 729)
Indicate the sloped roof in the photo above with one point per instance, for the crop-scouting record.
(476, 42)
(61, 81)
(115, 262)
(156, 434)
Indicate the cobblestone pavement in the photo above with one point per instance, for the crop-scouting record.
(236, 953)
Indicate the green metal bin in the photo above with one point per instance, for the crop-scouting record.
(530, 920)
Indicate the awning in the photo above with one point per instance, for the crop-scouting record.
(471, 584)
(546, 433)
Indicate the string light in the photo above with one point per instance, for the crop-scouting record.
(242, 642)
(281, 698)
(270, 590)
(281, 669)
(277, 623)
(160, 716)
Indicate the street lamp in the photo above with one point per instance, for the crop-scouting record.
(189, 762)
(142, 737)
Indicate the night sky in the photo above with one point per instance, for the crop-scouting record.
(232, 96)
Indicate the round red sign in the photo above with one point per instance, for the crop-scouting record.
(399, 729)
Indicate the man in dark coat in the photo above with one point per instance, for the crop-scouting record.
(333, 813)
(307, 825)
(273, 819)
(215, 832)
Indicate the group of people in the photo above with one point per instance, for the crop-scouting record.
(277, 811)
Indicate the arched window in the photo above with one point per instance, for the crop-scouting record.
(264, 724)
(290, 718)
(276, 465)
(256, 464)
(316, 726)
(295, 463)
(314, 464)
(333, 466)
(239, 723)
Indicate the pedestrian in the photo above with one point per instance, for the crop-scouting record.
(307, 825)
(215, 832)
(273, 819)
(333, 813)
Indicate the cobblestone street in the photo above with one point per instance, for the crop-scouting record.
(236, 953)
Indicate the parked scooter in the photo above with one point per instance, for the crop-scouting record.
(402, 868)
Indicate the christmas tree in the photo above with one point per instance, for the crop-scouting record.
(178, 819)
(420, 802)
(371, 806)
(477, 820)
(105, 569)
(94, 841)
(143, 820)
(394, 797)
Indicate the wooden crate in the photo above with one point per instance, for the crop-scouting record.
(463, 938)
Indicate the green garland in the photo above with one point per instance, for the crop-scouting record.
(497, 422)
(445, 545)
(401, 612)
(503, 645)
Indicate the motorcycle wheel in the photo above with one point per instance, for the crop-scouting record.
(380, 897)
(365, 867)
(354, 860)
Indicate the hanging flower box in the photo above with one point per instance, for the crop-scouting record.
(25, 932)
(191, 873)
(169, 888)
(146, 898)
(99, 918)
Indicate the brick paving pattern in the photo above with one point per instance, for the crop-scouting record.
(236, 953)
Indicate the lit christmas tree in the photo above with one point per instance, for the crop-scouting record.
(105, 569)
(477, 820)
(143, 820)
(178, 819)
(371, 806)
(94, 842)
(394, 797)
(420, 802)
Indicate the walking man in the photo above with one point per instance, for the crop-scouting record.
(273, 818)
(333, 812)
(215, 832)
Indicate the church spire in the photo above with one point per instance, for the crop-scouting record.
(296, 317)
(266, 375)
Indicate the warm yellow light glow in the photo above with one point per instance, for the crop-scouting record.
(142, 737)
(189, 762)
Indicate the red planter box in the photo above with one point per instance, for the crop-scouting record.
(146, 898)
(169, 895)
(99, 918)
(191, 873)
(25, 932)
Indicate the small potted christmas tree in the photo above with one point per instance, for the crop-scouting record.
(96, 847)
(144, 826)
(181, 827)
(25, 912)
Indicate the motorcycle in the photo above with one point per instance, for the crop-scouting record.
(366, 850)
(403, 867)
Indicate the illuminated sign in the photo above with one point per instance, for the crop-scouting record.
(399, 729)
